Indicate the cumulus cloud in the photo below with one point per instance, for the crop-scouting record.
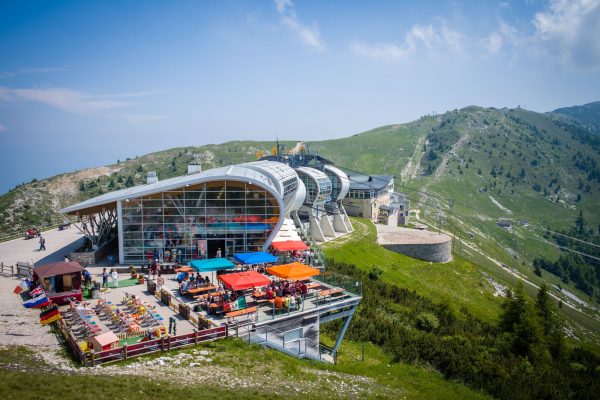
(307, 35)
(570, 30)
(428, 36)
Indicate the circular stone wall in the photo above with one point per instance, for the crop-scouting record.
(424, 245)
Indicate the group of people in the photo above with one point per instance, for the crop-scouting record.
(188, 281)
(114, 275)
(305, 257)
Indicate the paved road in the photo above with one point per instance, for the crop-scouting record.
(58, 244)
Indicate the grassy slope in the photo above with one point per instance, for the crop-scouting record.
(458, 282)
(289, 377)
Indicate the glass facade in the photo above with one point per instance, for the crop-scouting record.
(198, 220)
(336, 184)
(317, 190)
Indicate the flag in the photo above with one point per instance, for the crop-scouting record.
(51, 319)
(49, 314)
(239, 304)
(48, 310)
(20, 287)
(37, 291)
(38, 302)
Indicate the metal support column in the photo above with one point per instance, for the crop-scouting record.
(343, 331)
(120, 231)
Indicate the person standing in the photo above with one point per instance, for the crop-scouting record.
(66, 259)
(219, 252)
(104, 278)
(41, 242)
(44, 244)
(115, 277)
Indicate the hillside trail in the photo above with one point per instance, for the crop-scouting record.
(411, 169)
(512, 272)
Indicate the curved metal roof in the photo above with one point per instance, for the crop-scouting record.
(239, 172)
(278, 172)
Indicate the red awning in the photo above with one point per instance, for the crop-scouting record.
(289, 245)
(57, 268)
(244, 280)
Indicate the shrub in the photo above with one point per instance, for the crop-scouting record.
(427, 322)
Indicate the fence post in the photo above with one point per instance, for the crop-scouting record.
(162, 344)
(169, 344)
(93, 358)
(195, 337)
(125, 351)
(226, 331)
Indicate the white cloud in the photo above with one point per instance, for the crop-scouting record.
(3, 128)
(283, 4)
(29, 71)
(308, 35)
(68, 100)
(570, 30)
(429, 36)
(493, 43)
(143, 118)
(76, 102)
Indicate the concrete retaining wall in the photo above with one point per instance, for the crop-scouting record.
(92, 257)
(435, 252)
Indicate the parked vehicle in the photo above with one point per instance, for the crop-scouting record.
(64, 225)
(31, 233)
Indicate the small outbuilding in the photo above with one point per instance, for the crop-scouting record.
(61, 280)
(105, 341)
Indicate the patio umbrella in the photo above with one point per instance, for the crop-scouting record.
(258, 257)
(295, 271)
(244, 280)
(290, 245)
(211, 265)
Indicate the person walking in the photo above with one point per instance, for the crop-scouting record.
(104, 278)
(44, 244)
(115, 277)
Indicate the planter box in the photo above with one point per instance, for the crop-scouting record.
(165, 297)
(184, 311)
(151, 285)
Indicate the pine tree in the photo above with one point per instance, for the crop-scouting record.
(543, 308)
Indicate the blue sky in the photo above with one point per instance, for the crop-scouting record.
(85, 83)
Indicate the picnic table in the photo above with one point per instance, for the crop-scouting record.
(205, 295)
(329, 292)
(238, 313)
(184, 269)
(313, 285)
(257, 294)
(199, 290)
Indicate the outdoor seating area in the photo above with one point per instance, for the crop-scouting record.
(248, 295)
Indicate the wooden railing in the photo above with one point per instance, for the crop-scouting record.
(151, 346)
(19, 269)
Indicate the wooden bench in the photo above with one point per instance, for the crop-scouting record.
(239, 313)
